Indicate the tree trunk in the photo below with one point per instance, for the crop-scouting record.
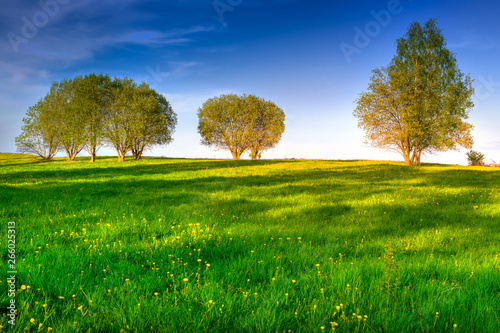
(254, 153)
(92, 152)
(236, 155)
(408, 161)
(68, 153)
(417, 160)
(121, 155)
(137, 154)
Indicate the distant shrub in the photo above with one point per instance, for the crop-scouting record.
(475, 158)
(495, 164)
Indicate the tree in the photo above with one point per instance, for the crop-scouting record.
(156, 122)
(238, 123)
(70, 121)
(475, 158)
(268, 125)
(137, 118)
(119, 120)
(420, 101)
(39, 131)
(91, 100)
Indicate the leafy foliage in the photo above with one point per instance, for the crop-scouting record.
(91, 100)
(418, 103)
(239, 123)
(475, 158)
(40, 131)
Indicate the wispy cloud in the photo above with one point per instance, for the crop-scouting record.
(473, 41)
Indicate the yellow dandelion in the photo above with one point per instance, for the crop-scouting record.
(32, 320)
(23, 287)
(61, 297)
(185, 280)
(293, 281)
(44, 305)
(49, 329)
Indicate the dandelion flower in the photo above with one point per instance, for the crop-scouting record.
(23, 287)
(185, 280)
(32, 320)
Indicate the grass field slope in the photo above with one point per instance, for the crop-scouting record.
(177, 245)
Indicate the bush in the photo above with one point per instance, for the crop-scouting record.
(475, 158)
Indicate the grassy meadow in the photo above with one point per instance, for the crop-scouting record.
(177, 245)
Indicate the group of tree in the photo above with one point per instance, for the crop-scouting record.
(418, 103)
(240, 123)
(91, 111)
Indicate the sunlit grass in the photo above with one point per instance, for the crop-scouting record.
(252, 246)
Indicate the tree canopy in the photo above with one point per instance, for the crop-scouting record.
(39, 130)
(420, 101)
(240, 123)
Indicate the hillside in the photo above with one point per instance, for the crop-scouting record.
(273, 245)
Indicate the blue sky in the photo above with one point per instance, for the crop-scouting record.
(289, 51)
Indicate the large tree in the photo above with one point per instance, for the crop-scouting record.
(420, 101)
(70, 121)
(268, 125)
(156, 121)
(91, 100)
(39, 131)
(239, 123)
(138, 118)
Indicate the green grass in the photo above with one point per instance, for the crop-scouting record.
(265, 246)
